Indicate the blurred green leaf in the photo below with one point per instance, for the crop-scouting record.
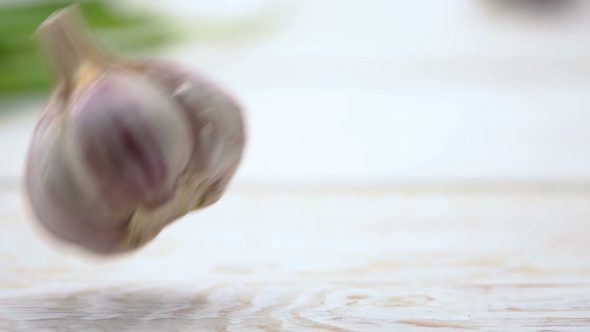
(23, 70)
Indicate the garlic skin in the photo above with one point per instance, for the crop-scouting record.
(125, 147)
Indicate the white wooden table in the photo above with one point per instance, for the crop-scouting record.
(313, 260)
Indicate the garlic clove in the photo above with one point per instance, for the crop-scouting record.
(59, 204)
(125, 147)
(219, 145)
(136, 156)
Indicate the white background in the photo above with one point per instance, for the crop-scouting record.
(387, 92)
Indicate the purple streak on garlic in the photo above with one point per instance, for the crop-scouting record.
(136, 155)
(125, 147)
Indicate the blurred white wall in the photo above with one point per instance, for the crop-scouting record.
(383, 91)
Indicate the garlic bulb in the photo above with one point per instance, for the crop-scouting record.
(125, 147)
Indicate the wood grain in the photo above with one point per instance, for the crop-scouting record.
(280, 260)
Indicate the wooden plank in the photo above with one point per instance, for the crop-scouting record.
(278, 260)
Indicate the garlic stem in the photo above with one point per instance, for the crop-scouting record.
(70, 46)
